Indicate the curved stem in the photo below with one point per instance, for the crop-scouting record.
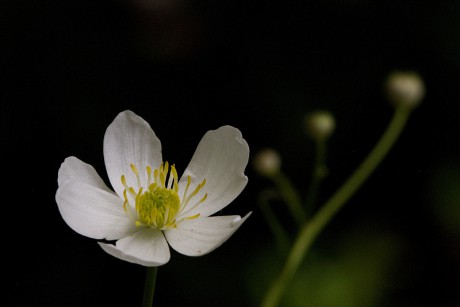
(290, 196)
(278, 232)
(311, 229)
(149, 286)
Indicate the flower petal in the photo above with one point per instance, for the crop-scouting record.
(129, 139)
(220, 158)
(200, 236)
(147, 247)
(74, 169)
(93, 212)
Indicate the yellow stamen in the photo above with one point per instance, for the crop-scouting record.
(136, 172)
(149, 174)
(174, 173)
(126, 200)
(192, 217)
(157, 203)
(197, 189)
(132, 191)
(189, 181)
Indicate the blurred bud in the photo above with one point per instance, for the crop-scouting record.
(405, 88)
(267, 162)
(319, 125)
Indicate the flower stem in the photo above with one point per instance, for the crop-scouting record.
(312, 228)
(318, 174)
(149, 287)
(278, 232)
(290, 196)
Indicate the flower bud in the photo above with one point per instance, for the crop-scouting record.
(405, 88)
(319, 125)
(267, 162)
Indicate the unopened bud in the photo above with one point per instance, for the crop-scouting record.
(405, 88)
(319, 125)
(267, 162)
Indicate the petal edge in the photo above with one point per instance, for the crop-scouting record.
(146, 247)
(221, 158)
(93, 212)
(203, 235)
(130, 139)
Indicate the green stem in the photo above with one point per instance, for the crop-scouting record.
(149, 287)
(318, 174)
(290, 196)
(311, 229)
(278, 231)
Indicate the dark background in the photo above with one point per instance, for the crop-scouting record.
(69, 67)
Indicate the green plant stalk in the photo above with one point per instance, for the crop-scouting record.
(278, 232)
(318, 174)
(312, 228)
(291, 197)
(149, 286)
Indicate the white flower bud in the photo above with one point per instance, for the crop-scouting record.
(267, 162)
(405, 88)
(319, 125)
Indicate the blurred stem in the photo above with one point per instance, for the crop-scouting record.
(311, 229)
(319, 173)
(290, 196)
(149, 286)
(277, 230)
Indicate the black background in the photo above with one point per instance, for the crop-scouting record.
(69, 67)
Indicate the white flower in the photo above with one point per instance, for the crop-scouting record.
(150, 206)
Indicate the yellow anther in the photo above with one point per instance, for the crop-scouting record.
(132, 191)
(197, 189)
(174, 175)
(192, 217)
(165, 167)
(136, 172)
(155, 175)
(139, 194)
(126, 200)
(203, 198)
(149, 174)
(171, 178)
(134, 168)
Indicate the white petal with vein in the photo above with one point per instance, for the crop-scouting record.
(93, 212)
(202, 235)
(220, 158)
(147, 247)
(130, 140)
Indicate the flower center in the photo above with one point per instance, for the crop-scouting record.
(159, 203)
(158, 208)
